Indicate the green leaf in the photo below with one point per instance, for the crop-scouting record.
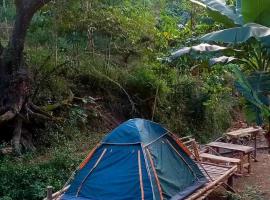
(257, 11)
(238, 34)
(221, 12)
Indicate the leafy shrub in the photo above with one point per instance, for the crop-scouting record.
(28, 180)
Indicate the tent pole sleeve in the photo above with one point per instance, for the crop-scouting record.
(140, 174)
(148, 171)
(180, 144)
(155, 173)
(89, 156)
(99, 159)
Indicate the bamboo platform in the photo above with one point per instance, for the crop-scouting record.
(217, 175)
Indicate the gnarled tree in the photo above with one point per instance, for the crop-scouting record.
(15, 82)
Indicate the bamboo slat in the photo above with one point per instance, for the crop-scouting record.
(218, 180)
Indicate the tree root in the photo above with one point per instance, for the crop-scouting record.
(17, 133)
(9, 115)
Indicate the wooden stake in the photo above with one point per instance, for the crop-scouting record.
(49, 193)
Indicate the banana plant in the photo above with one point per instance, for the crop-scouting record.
(250, 18)
(255, 87)
(244, 11)
(256, 54)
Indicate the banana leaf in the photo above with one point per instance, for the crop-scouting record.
(221, 12)
(222, 60)
(256, 90)
(257, 11)
(240, 34)
(201, 48)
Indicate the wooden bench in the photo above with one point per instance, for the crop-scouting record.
(251, 132)
(219, 170)
(243, 151)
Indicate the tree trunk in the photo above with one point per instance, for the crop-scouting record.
(15, 87)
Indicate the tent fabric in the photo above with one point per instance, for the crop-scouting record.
(136, 161)
(135, 131)
(115, 177)
(173, 169)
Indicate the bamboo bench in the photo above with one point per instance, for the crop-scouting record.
(219, 170)
(205, 154)
(243, 151)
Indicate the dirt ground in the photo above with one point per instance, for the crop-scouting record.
(259, 178)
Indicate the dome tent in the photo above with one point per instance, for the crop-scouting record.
(139, 160)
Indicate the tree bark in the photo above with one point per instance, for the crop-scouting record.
(15, 82)
(12, 58)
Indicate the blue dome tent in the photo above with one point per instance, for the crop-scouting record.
(139, 160)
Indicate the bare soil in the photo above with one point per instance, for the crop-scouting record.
(259, 178)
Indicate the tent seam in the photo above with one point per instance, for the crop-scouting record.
(156, 139)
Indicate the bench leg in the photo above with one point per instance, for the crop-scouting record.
(230, 181)
(229, 185)
(241, 163)
(249, 163)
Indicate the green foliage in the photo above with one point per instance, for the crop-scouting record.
(197, 107)
(145, 81)
(28, 180)
(256, 11)
(250, 193)
(7, 11)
